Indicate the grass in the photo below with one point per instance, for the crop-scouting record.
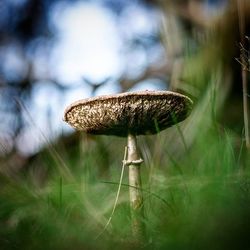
(198, 199)
(196, 185)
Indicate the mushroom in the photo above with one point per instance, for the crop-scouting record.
(128, 115)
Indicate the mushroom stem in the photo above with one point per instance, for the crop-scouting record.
(136, 198)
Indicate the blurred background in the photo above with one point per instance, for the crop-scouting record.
(54, 52)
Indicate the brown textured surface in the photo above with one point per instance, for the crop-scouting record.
(138, 113)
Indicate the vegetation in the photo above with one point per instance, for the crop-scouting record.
(194, 200)
(196, 181)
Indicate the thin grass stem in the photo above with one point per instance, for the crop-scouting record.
(117, 194)
(244, 72)
(63, 168)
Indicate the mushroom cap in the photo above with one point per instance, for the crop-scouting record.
(137, 113)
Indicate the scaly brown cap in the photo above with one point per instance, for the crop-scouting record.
(138, 113)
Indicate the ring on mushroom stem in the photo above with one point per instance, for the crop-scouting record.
(128, 115)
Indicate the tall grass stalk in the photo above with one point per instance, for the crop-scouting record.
(244, 71)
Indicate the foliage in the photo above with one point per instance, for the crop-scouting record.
(196, 197)
(196, 179)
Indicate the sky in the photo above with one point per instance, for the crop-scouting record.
(88, 44)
